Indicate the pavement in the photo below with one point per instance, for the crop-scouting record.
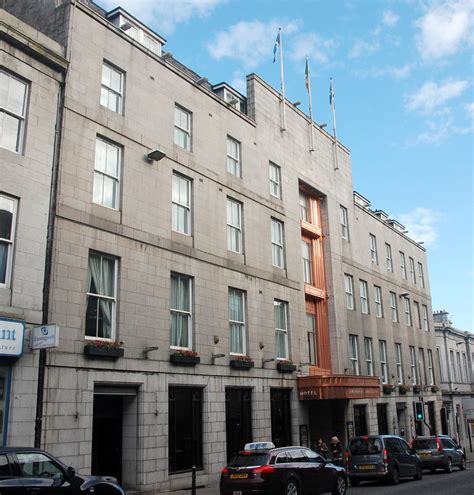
(213, 489)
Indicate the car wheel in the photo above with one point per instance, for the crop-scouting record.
(394, 477)
(292, 488)
(419, 472)
(354, 482)
(462, 466)
(341, 486)
(449, 466)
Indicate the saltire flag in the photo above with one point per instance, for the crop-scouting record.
(276, 46)
(331, 92)
(307, 75)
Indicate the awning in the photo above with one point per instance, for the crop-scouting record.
(338, 387)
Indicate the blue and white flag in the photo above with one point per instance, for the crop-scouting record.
(276, 46)
(331, 92)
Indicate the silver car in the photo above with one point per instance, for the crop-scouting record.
(440, 451)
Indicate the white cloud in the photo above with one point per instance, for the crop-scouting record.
(400, 72)
(239, 83)
(363, 48)
(446, 28)
(470, 110)
(422, 224)
(431, 95)
(389, 18)
(319, 49)
(164, 15)
(389, 71)
(249, 42)
(440, 129)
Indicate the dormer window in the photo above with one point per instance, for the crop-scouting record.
(136, 30)
(231, 96)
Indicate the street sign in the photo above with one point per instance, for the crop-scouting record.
(44, 337)
(11, 337)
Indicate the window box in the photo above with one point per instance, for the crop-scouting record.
(434, 388)
(286, 367)
(104, 350)
(402, 389)
(417, 389)
(189, 358)
(241, 363)
(388, 388)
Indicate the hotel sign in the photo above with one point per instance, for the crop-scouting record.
(12, 333)
(44, 337)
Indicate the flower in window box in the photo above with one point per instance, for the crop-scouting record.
(434, 388)
(111, 349)
(185, 357)
(387, 388)
(402, 389)
(417, 389)
(241, 362)
(285, 366)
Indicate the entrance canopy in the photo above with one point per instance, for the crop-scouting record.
(338, 387)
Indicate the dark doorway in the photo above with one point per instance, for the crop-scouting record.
(382, 419)
(107, 435)
(444, 421)
(238, 412)
(360, 420)
(431, 417)
(281, 416)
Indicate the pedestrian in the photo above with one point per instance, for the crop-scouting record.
(322, 448)
(336, 450)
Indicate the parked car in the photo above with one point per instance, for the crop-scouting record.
(27, 470)
(381, 457)
(267, 470)
(440, 451)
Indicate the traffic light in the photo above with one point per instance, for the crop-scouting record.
(419, 411)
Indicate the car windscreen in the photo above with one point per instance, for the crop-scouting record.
(247, 460)
(425, 444)
(365, 446)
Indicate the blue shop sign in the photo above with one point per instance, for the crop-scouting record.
(12, 333)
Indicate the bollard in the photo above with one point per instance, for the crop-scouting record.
(193, 482)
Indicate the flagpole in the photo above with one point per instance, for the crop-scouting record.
(282, 76)
(333, 109)
(310, 104)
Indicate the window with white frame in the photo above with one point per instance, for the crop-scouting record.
(281, 329)
(412, 269)
(111, 91)
(101, 297)
(311, 335)
(394, 307)
(182, 127)
(349, 290)
(414, 375)
(278, 254)
(8, 213)
(234, 226)
(422, 364)
(307, 261)
(13, 104)
(383, 361)
(417, 313)
(233, 157)
(453, 367)
(465, 368)
(108, 158)
(238, 344)
(364, 297)
(181, 204)
(275, 180)
(408, 318)
(440, 366)
(430, 368)
(459, 370)
(180, 309)
(369, 353)
(354, 354)
(403, 265)
(388, 254)
(378, 301)
(426, 325)
(344, 223)
(373, 249)
(398, 362)
(420, 275)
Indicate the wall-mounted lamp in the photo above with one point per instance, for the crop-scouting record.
(155, 155)
(322, 126)
(297, 103)
(149, 349)
(125, 26)
(421, 242)
(216, 356)
(265, 361)
(405, 295)
(167, 56)
(202, 80)
(233, 101)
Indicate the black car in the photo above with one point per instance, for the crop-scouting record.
(381, 457)
(27, 470)
(281, 471)
(441, 452)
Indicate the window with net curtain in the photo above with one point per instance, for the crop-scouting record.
(7, 228)
(237, 321)
(180, 311)
(101, 297)
(281, 329)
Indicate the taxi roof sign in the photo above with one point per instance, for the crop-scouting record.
(259, 445)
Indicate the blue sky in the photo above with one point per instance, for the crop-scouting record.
(403, 76)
